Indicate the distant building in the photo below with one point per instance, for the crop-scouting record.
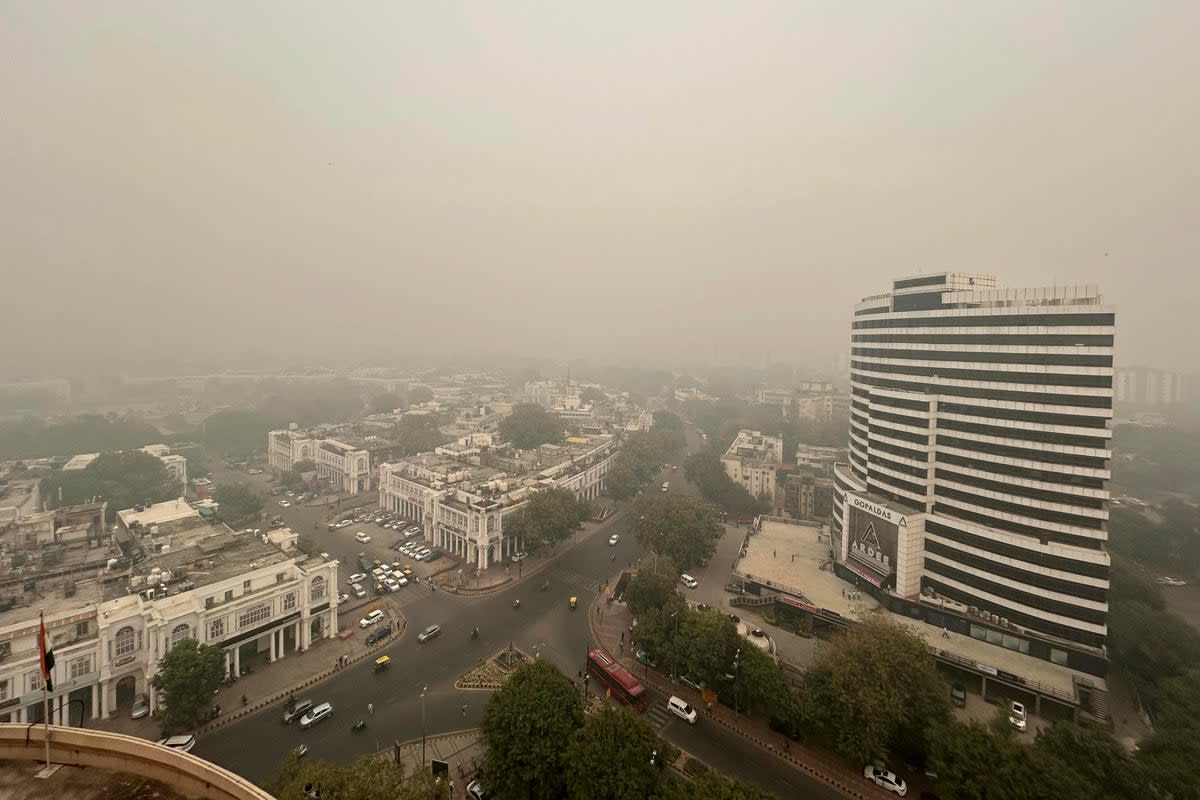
(1156, 388)
(819, 458)
(808, 497)
(752, 460)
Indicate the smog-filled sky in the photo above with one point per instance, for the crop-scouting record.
(645, 182)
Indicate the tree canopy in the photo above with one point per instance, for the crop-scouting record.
(642, 456)
(187, 677)
(872, 687)
(525, 725)
(550, 516)
(591, 395)
(419, 394)
(367, 777)
(123, 479)
(529, 425)
(238, 502)
(682, 528)
(610, 757)
(418, 433)
(704, 469)
(86, 433)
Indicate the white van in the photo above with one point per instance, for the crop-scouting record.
(666, 485)
(689, 581)
(681, 709)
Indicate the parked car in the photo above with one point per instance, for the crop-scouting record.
(391, 584)
(698, 685)
(689, 581)
(362, 537)
(518, 556)
(141, 707)
(429, 633)
(184, 743)
(297, 711)
(475, 791)
(645, 658)
(888, 780)
(358, 591)
(285, 503)
(371, 618)
(958, 695)
(357, 577)
(316, 714)
(379, 634)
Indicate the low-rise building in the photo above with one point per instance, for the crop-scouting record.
(462, 494)
(819, 458)
(111, 617)
(808, 497)
(752, 460)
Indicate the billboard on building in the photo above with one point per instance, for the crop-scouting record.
(873, 534)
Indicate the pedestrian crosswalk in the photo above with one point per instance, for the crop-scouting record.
(657, 716)
(555, 574)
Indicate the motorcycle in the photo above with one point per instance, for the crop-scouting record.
(358, 726)
(475, 633)
(301, 751)
(516, 603)
(545, 586)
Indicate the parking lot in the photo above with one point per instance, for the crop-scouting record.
(393, 553)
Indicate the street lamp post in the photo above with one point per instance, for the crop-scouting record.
(424, 689)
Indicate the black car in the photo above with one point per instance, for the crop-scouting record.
(958, 695)
(297, 711)
(379, 634)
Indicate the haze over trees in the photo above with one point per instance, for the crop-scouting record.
(529, 425)
(124, 479)
(238, 502)
(550, 516)
(418, 433)
(684, 529)
(86, 433)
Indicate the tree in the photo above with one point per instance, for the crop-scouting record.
(384, 402)
(366, 778)
(124, 479)
(1169, 758)
(591, 395)
(682, 528)
(1095, 760)
(304, 465)
(238, 501)
(621, 482)
(292, 480)
(872, 686)
(610, 757)
(712, 786)
(86, 433)
(525, 724)
(665, 420)
(418, 433)
(419, 394)
(653, 588)
(549, 516)
(529, 426)
(187, 677)
(762, 686)
(705, 470)
(237, 432)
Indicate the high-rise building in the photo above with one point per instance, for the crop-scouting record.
(980, 428)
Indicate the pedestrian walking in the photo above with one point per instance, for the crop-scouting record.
(774, 554)
(464, 709)
(621, 647)
(622, 636)
(370, 709)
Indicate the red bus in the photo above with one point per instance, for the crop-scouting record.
(617, 680)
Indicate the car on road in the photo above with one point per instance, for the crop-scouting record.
(285, 503)
(297, 711)
(358, 591)
(379, 634)
(680, 708)
(888, 780)
(357, 577)
(958, 695)
(1016, 716)
(184, 743)
(429, 633)
(141, 707)
(518, 556)
(255, 471)
(362, 537)
(612, 540)
(316, 714)
(666, 485)
(346, 523)
(391, 584)
(645, 658)
(689, 581)
(343, 597)
(475, 791)
(370, 619)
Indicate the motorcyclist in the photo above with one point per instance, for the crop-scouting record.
(475, 633)
(517, 603)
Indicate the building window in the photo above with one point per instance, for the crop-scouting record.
(180, 632)
(4, 689)
(245, 586)
(81, 628)
(35, 680)
(216, 629)
(318, 588)
(289, 601)
(228, 594)
(253, 615)
(80, 666)
(1058, 656)
(125, 641)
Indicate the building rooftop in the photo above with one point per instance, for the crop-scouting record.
(80, 461)
(157, 514)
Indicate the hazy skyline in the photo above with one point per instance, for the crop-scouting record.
(651, 182)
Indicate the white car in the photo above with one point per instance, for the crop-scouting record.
(362, 537)
(391, 584)
(689, 581)
(1016, 716)
(344, 523)
(358, 590)
(370, 619)
(357, 577)
(285, 503)
(517, 556)
(612, 540)
(184, 743)
(680, 708)
(888, 780)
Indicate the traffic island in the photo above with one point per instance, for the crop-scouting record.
(492, 673)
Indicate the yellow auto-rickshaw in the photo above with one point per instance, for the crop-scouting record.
(382, 663)
(574, 602)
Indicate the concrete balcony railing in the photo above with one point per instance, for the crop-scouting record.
(115, 752)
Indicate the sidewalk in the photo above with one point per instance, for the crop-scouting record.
(609, 621)
(462, 750)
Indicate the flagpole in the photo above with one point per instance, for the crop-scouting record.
(46, 663)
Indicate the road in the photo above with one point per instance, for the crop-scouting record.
(544, 626)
